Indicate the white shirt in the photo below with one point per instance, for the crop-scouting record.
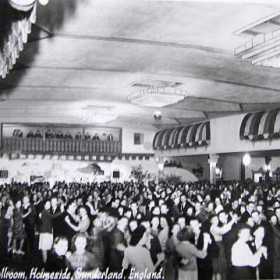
(241, 255)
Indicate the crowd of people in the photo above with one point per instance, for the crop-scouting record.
(175, 231)
(17, 133)
(52, 134)
(172, 163)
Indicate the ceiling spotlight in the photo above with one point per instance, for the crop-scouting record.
(157, 115)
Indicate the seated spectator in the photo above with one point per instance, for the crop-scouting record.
(53, 134)
(38, 134)
(68, 136)
(30, 134)
(95, 137)
(78, 136)
(48, 134)
(59, 135)
(110, 137)
(166, 163)
(17, 133)
(87, 136)
(104, 137)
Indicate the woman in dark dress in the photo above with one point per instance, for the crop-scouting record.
(19, 232)
(29, 222)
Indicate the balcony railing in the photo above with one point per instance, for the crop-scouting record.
(60, 146)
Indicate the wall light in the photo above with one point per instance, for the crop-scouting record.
(160, 166)
(267, 167)
(246, 159)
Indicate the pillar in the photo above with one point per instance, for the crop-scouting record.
(267, 168)
(242, 171)
(213, 159)
(160, 165)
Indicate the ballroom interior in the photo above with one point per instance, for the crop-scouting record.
(90, 90)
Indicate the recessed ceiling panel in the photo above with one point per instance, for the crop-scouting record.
(200, 104)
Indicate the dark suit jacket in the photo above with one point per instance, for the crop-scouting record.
(183, 208)
(57, 220)
(204, 266)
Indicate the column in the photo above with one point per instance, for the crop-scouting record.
(213, 159)
(267, 168)
(160, 165)
(242, 171)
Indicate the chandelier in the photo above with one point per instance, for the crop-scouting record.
(157, 97)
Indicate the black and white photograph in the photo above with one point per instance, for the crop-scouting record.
(139, 139)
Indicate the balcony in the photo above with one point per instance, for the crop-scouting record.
(60, 147)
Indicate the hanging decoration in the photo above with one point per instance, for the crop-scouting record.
(16, 19)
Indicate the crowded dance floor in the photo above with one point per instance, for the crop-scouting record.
(176, 231)
(139, 140)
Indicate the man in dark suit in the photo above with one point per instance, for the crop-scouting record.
(175, 208)
(204, 266)
(134, 209)
(184, 204)
(249, 210)
(55, 209)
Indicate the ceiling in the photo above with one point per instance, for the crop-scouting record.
(94, 53)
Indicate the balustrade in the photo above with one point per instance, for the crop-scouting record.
(60, 146)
